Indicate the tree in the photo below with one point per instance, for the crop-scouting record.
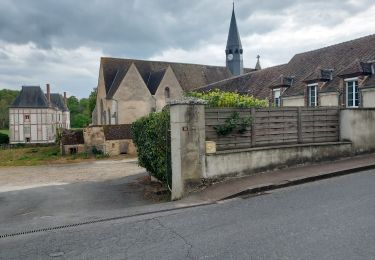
(92, 100)
(6, 99)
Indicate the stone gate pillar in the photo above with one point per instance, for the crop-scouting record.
(187, 144)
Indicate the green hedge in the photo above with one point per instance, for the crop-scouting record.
(218, 98)
(4, 138)
(151, 136)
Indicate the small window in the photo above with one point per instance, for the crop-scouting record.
(236, 51)
(27, 139)
(276, 97)
(73, 150)
(241, 51)
(352, 94)
(312, 95)
(167, 93)
(230, 52)
(27, 117)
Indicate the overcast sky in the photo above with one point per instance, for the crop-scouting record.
(61, 42)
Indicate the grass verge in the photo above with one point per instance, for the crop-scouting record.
(30, 156)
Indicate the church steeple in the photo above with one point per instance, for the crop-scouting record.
(234, 51)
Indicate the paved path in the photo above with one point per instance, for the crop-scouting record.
(329, 219)
(280, 178)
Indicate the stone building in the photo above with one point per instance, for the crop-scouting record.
(34, 117)
(129, 89)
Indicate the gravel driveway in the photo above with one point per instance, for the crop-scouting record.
(40, 196)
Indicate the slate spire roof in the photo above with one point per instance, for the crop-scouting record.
(257, 66)
(234, 40)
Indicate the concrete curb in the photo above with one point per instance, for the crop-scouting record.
(298, 181)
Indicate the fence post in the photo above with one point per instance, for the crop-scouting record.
(299, 126)
(253, 136)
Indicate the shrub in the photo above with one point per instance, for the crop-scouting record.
(151, 136)
(218, 98)
(4, 138)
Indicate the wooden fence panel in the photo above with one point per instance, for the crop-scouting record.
(271, 126)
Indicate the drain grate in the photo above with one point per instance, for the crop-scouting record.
(100, 221)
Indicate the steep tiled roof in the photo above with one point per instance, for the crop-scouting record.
(117, 132)
(154, 80)
(301, 67)
(58, 101)
(30, 97)
(254, 83)
(336, 57)
(190, 76)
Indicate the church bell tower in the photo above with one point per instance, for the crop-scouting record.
(234, 51)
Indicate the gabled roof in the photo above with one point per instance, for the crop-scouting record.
(57, 100)
(154, 80)
(30, 97)
(234, 39)
(190, 76)
(117, 132)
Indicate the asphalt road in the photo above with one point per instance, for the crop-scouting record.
(330, 219)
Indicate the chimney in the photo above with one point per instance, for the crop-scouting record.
(48, 94)
(65, 98)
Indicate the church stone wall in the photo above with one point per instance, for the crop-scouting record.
(133, 97)
(175, 90)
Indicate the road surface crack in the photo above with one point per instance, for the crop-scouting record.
(188, 254)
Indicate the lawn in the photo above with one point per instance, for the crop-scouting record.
(28, 156)
(4, 131)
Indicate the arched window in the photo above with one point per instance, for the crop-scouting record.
(167, 93)
(102, 121)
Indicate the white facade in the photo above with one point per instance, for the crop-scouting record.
(36, 125)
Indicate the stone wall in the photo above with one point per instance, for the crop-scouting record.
(298, 101)
(329, 99)
(368, 97)
(358, 125)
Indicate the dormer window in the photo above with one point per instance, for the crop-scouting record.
(312, 94)
(352, 94)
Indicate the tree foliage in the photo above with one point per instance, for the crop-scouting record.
(6, 99)
(81, 110)
(152, 138)
(218, 98)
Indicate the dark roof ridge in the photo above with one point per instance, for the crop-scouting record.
(167, 62)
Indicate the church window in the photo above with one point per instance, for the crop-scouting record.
(167, 93)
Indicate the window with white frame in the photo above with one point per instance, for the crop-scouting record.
(312, 95)
(276, 97)
(352, 94)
